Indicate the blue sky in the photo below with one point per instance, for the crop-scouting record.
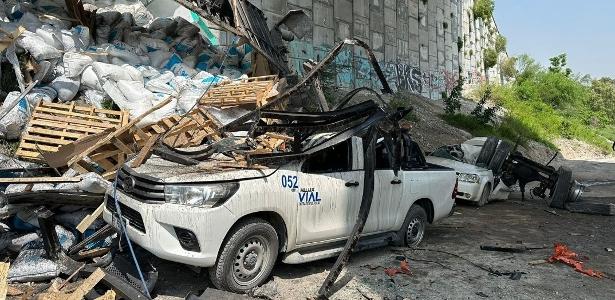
(585, 30)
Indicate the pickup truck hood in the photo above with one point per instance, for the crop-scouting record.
(456, 165)
(171, 172)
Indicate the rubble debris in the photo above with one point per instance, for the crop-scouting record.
(518, 248)
(404, 268)
(607, 249)
(563, 254)
(593, 208)
(40, 180)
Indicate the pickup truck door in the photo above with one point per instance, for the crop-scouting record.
(387, 193)
(329, 194)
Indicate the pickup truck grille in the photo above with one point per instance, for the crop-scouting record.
(142, 187)
(134, 217)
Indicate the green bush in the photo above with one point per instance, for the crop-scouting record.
(508, 67)
(490, 58)
(483, 9)
(500, 44)
(452, 103)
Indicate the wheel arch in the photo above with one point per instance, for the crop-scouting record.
(273, 218)
(427, 205)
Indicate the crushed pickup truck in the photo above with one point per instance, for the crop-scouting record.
(300, 204)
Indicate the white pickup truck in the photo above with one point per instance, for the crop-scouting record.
(237, 223)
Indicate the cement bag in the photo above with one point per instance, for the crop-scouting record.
(158, 58)
(13, 123)
(18, 242)
(166, 25)
(37, 47)
(75, 63)
(89, 79)
(148, 44)
(130, 95)
(30, 22)
(51, 36)
(90, 182)
(148, 72)
(161, 113)
(32, 266)
(160, 84)
(66, 87)
(126, 53)
(113, 72)
(94, 98)
(139, 12)
(185, 28)
(188, 97)
(76, 39)
(176, 65)
(45, 94)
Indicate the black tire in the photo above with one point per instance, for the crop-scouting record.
(486, 153)
(561, 190)
(413, 229)
(247, 257)
(484, 197)
(499, 157)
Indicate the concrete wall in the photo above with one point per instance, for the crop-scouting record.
(414, 40)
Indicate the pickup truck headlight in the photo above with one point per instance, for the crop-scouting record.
(206, 195)
(466, 177)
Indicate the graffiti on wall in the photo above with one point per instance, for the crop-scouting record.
(410, 78)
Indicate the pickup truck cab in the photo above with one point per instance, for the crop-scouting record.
(237, 223)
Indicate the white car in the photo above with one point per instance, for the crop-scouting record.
(477, 183)
(237, 223)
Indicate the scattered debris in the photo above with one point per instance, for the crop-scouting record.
(537, 262)
(593, 208)
(608, 249)
(514, 248)
(553, 212)
(481, 294)
(563, 254)
(404, 268)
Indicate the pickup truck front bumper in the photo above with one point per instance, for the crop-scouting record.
(153, 227)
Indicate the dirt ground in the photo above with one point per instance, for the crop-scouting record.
(437, 275)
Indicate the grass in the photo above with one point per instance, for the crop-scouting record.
(510, 129)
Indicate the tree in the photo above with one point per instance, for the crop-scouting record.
(483, 9)
(603, 96)
(490, 58)
(558, 65)
(527, 68)
(500, 44)
(508, 67)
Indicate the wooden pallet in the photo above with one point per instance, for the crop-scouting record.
(108, 154)
(188, 131)
(54, 124)
(251, 92)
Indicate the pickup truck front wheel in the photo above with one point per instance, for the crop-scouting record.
(247, 257)
(415, 225)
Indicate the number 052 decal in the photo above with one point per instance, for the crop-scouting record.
(290, 181)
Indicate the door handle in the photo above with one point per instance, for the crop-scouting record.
(396, 181)
(352, 183)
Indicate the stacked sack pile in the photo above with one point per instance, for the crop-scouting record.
(134, 60)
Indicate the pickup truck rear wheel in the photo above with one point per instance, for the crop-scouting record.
(415, 225)
(247, 257)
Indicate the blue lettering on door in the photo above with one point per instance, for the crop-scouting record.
(309, 198)
(290, 181)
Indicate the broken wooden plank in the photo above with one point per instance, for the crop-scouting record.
(593, 208)
(145, 152)
(87, 285)
(89, 219)
(4, 271)
(109, 295)
(40, 180)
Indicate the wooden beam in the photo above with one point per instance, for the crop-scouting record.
(87, 285)
(4, 271)
(25, 180)
(145, 152)
(89, 219)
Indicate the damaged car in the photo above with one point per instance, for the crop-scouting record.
(299, 205)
